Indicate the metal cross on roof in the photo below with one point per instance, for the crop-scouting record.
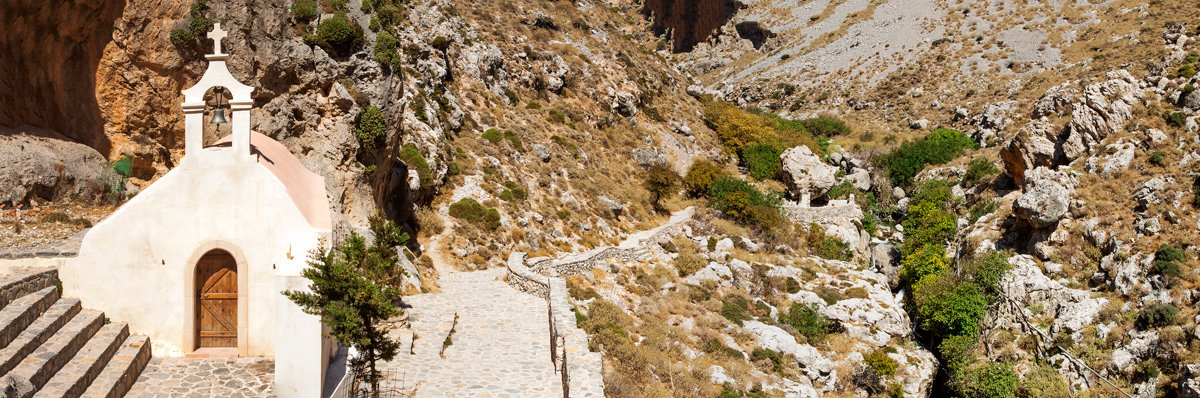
(216, 35)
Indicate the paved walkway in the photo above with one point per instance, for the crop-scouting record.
(500, 348)
(188, 377)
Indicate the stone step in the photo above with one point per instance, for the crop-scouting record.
(23, 282)
(37, 333)
(36, 369)
(122, 370)
(77, 375)
(16, 316)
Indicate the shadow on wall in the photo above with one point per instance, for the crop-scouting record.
(48, 63)
(689, 21)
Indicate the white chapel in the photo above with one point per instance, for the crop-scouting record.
(197, 261)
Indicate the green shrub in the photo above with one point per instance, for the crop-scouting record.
(735, 310)
(512, 192)
(563, 142)
(514, 140)
(940, 146)
(1187, 71)
(928, 223)
(556, 116)
(979, 168)
(1166, 261)
(533, 105)
(304, 10)
(181, 37)
(511, 96)
(763, 160)
(826, 126)
(993, 380)
(736, 128)
(764, 354)
(715, 347)
(385, 51)
(493, 136)
(736, 198)
(1156, 315)
(988, 269)
(948, 306)
(955, 352)
(1177, 119)
(928, 260)
(981, 209)
(1158, 158)
(339, 35)
(1043, 382)
(807, 322)
(881, 362)
(371, 128)
(689, 261)
(411, 156)
(700, 176)
(472, 211)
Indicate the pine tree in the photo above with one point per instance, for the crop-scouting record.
(354, 290)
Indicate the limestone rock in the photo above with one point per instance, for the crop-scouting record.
(647, 156)
(1189, 386)
(812, 363)
(918, 124)
(885, 259)
(805, 174)
(1032, 147)
(860, 179)
(542, 152)
(624, 104)
(1071, 309)
(1046, 198)
(1116, 157)
(43, 168)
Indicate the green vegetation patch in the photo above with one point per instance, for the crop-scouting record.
(938, 147)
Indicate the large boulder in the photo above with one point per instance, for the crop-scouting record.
(1103, 109)
(1116, 157)
(805, 174)
(41, 168)
(1046, 199)
(1032, 147)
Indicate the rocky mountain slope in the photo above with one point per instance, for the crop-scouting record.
(894, 198)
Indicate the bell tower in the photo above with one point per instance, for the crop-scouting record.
(217, 76)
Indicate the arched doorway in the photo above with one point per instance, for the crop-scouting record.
(216, 300)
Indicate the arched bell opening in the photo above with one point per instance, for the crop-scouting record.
(218, 117)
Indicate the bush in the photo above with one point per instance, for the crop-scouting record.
(533, 105)
(760, 354)
(928, 223)
(988, 269)
(493, 136)
(556, 116)
(955, 352)
(736, 197)
(700, 176)
(411, 156)
(807, 322)
(735, 310)
(981, 209)
(662, 182)
(1158, 158)
(994, 380)
(929, 260)
(304, 10)
(979, 168)
(736, 128)
(1166, 261)
(565, 143)
(371, 128)
(948, 306)
(1043, 381)
(881, 362)
(385, 51)
(763, 160)
(689, 260)
(826, 126)
(715, 347)
(940, 146)
(1156, 315)
(339, 35)
(512, 192)
(1177, 119)
(514, 140)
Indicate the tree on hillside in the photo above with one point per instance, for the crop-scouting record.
(662, 182)
(354, 291)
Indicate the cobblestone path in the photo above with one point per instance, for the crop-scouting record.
(189, 377)
(500, 348)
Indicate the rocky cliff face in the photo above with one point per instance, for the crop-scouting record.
(48, 64)
(689, 22)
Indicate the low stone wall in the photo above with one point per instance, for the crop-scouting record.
(16, 283)
(828, 214)
(522, 278)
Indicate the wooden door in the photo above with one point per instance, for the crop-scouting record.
(216, 300)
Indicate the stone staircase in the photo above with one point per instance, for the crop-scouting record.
(51, 347)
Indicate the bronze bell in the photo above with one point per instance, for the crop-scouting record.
(218, 116)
